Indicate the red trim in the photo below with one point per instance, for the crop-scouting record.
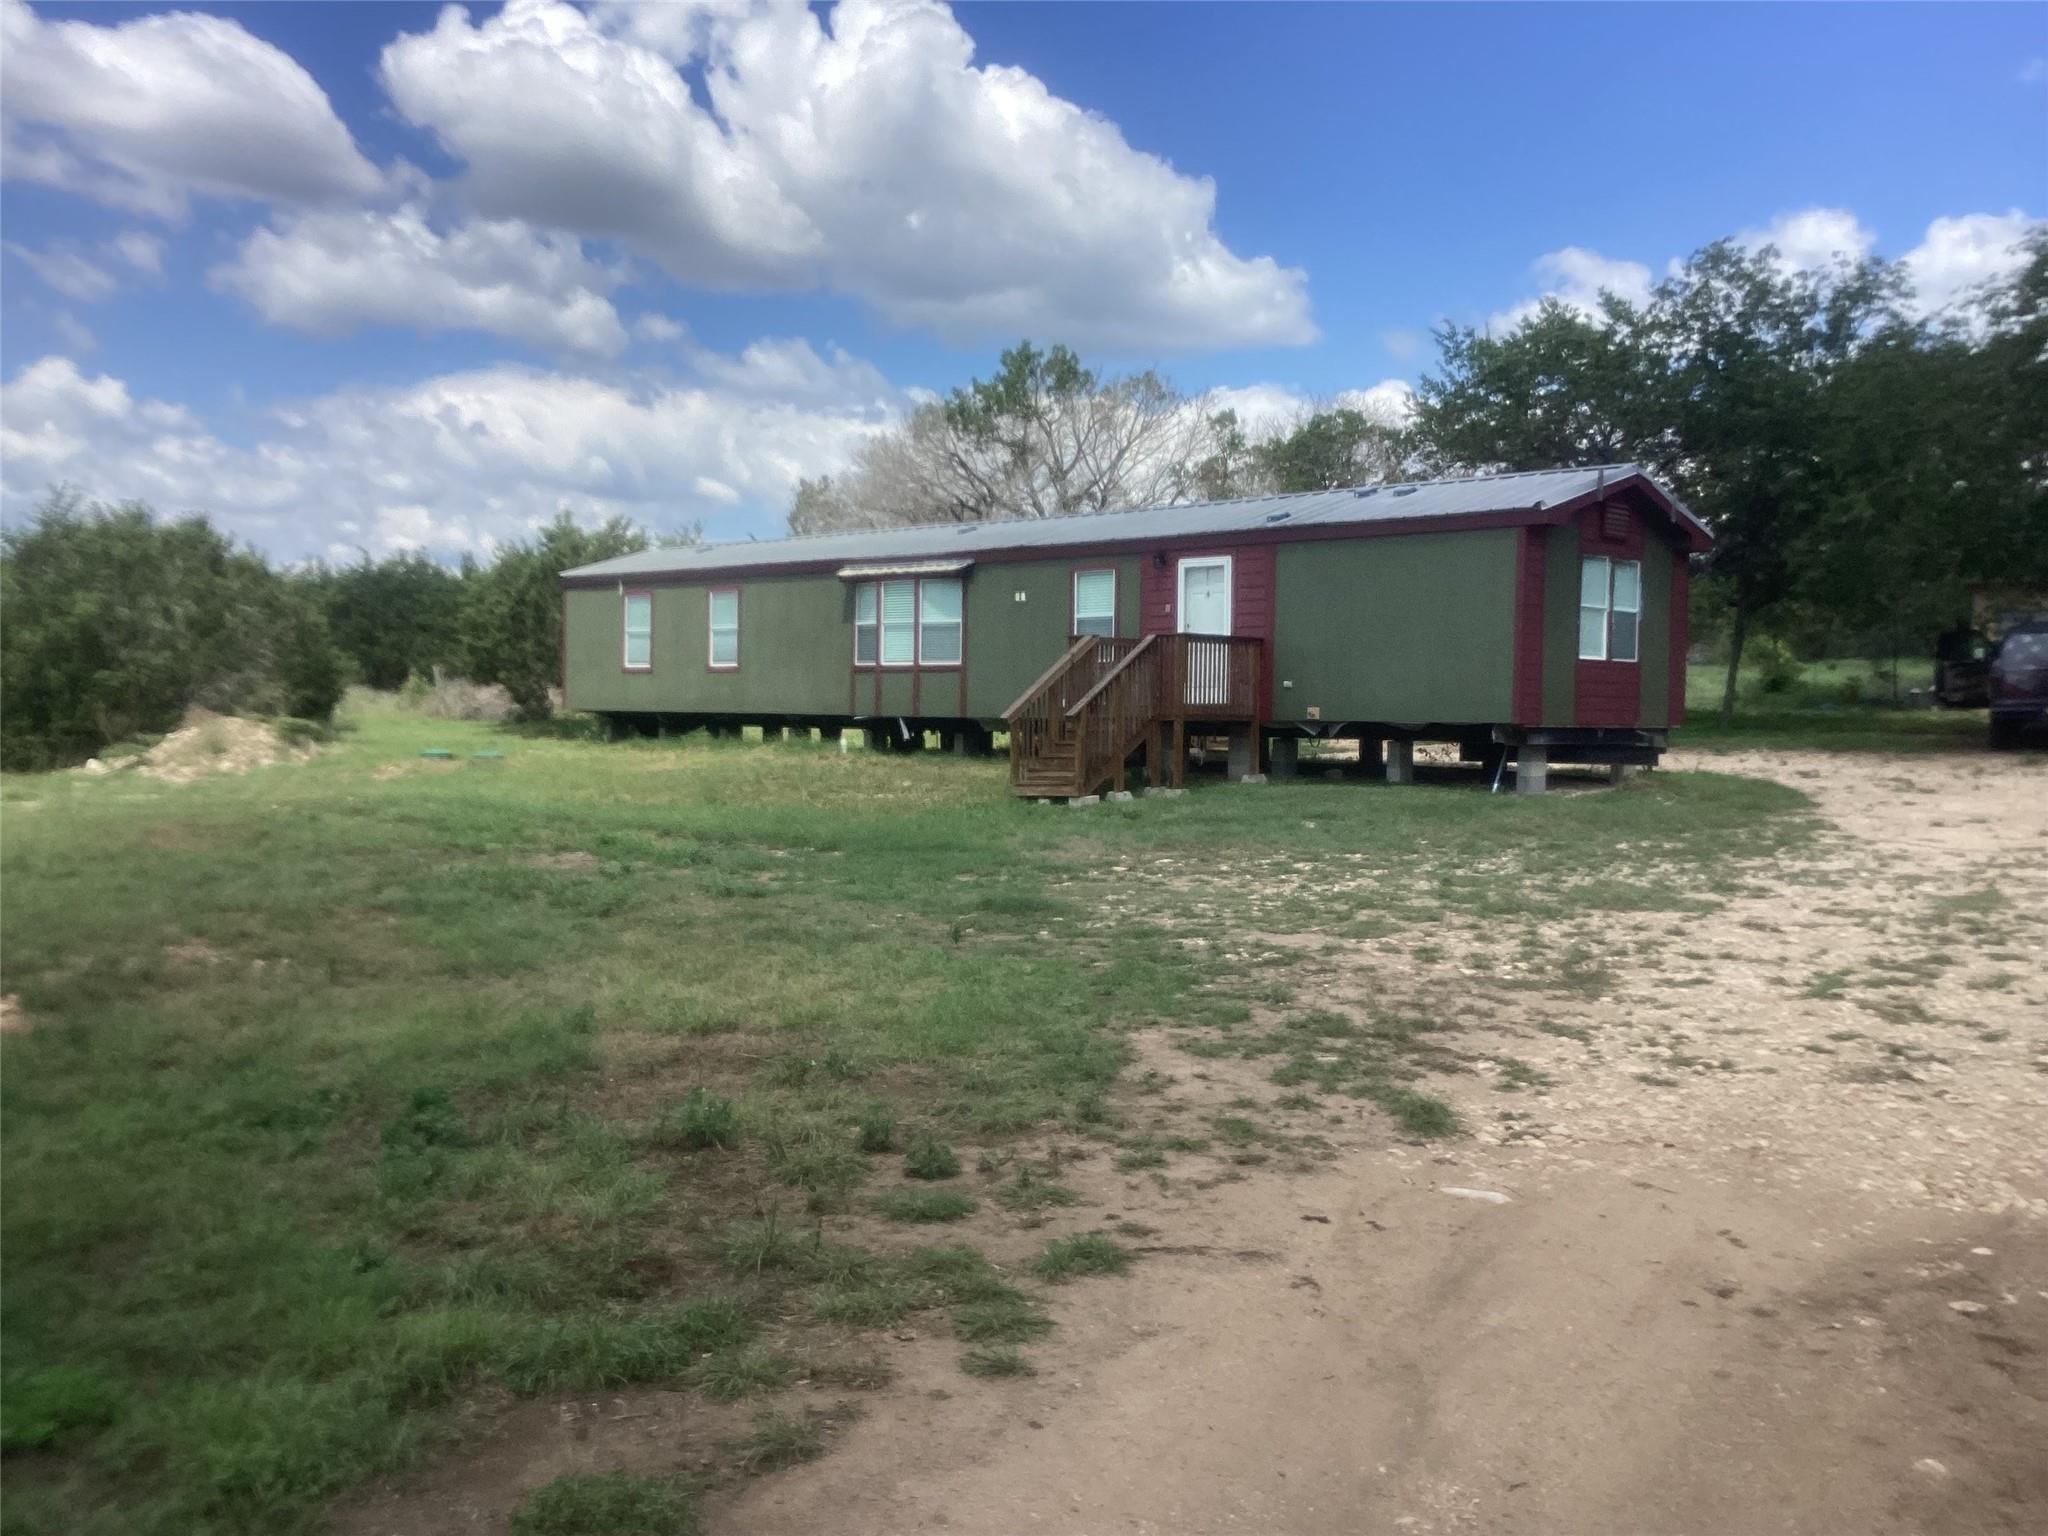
(1679, 632)
(916, 668)
(1074, 575)
(1609, 693)
(1252, 608)
(624, 593)
(738, 605)
(1529, 587)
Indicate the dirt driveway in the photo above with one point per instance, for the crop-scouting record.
(1758, 1243)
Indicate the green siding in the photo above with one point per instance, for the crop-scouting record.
(796, 646)
(1413, 628)
(1560, 625)
(1654, 644)
(1009, 643)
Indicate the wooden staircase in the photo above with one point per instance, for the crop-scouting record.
(1074, 731)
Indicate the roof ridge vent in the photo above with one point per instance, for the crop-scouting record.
(1405, 490)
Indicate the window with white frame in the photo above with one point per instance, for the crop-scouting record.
(908, 623)
(864, 624)
(1095, 602)
(637, 624)
(1610, 608)
(899, 623)
(938, 623)
(724, 645)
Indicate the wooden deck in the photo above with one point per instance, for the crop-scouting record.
(1075, 730)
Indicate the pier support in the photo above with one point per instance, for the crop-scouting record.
(1532, 770)
(1400, 762)
(1283, 757)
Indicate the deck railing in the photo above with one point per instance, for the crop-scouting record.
(1038, 721)
(1095, 705)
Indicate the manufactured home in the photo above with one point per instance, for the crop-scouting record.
(1533, 618)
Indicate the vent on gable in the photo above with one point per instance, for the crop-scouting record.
(1614, 520)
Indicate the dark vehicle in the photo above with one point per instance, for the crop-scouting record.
(2019, 684)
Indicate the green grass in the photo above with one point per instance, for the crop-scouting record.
(611, 1504)
(360, 1089)
(1835, 706)
(1087, 1253)
(924, 1205)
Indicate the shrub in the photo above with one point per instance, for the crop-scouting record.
(46, 1407)
(927, 1157)
(703, 1119)
(1777, 669)
(877, 1128)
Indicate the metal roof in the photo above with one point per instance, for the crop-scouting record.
(1526, 491)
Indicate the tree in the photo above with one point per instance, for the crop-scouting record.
(1328, 449)
(113, 624)
(392, 617)
(1044, 437)
(1718, 384)
(512, 609)
(1563, 389)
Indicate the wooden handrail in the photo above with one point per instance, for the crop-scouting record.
(1067, 657)
(1122, 689)
(1110, 676)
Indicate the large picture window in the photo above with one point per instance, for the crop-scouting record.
(723, 651)
(908, 623)
(637, 625)
(1610, 608)
(1095, 602)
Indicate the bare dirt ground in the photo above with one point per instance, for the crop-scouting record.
(1772, 1257)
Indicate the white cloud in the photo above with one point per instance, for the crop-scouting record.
(68, 270)
(1264, 409)
(1957, 255)
(1813, 238)
(142, 251)
(454, 462)
(331, 272)
(85, 275)
(654, 326)
(1576, 277)
(76, 335)
(869, 155)
(147, 113)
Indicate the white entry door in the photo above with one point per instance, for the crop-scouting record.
(1205, 610)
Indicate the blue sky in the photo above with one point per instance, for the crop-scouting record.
(372, 276)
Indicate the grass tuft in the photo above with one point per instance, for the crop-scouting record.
(702, 1120)
(607, 1504)
(924, 1205)
(927, 1157)
(1087, 1253)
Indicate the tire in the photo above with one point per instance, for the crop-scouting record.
(2005, 733)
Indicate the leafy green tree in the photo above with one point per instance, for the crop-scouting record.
(511, 613)
(1719, 384)
(392, 617)
(112, 624)
(1329, 449)
(1561, 390)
